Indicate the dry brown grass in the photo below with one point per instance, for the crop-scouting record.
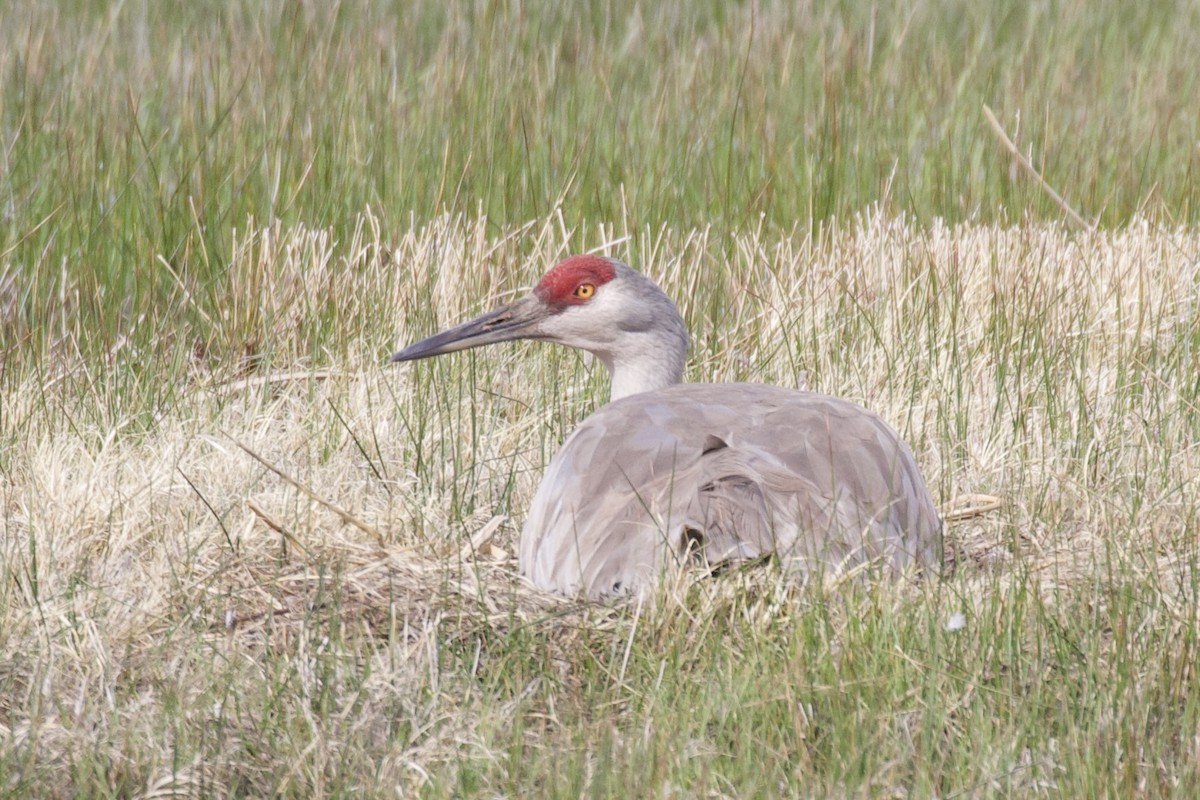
(148, 561)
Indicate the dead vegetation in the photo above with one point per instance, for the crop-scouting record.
(296, 576)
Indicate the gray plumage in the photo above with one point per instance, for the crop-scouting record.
(671, 474)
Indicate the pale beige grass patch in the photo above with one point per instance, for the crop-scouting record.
(1016, 361)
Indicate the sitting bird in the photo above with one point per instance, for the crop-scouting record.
(671, 473)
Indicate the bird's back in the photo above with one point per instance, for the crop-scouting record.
(726, 471)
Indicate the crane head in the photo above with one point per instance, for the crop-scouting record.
(592, 303)
(554, 311)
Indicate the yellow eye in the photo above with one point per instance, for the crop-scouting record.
(584, 290)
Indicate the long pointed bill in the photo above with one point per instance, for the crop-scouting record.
(516, 321)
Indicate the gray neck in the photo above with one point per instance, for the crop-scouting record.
(646, 375)
(648, 344)
(650, 359)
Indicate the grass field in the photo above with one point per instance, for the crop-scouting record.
(243, 556)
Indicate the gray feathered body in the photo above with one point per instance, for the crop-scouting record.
(721, 472)
(669, 473)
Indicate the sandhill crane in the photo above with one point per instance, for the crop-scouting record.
(671, 473)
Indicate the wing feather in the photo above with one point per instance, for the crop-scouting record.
(744, 469)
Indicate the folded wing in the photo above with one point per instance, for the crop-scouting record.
(722, 472)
